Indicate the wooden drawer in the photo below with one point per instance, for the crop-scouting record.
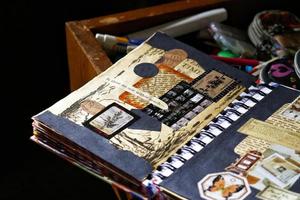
(87, 58)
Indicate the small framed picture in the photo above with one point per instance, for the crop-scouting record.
(111, 120)
(279, 170)
(292, 112)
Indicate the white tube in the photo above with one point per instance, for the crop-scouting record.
(184, 25)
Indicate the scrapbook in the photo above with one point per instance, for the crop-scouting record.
(167, 117)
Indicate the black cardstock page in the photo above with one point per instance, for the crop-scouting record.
(219, 154)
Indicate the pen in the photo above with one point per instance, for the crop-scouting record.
(184, 25)
(117, 44)
(111, 39)
(238, 61)
(256, 70)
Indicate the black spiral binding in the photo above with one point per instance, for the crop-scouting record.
(229, 115)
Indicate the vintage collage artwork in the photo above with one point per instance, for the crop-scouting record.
(268, 160)
(166, 88)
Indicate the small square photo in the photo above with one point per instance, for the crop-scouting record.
(214, 84)
(280, 169)
(293, 110)
(111, 120)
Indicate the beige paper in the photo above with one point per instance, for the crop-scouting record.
(274, 193)
(251, 143)
(271, 133)
(279, 120)
(190, 67)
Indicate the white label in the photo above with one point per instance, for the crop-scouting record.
(147, 97)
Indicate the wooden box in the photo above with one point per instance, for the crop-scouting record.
(87, 58)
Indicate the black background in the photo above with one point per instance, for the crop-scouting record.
(34, 75)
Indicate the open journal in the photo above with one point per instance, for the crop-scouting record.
(168, 118)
